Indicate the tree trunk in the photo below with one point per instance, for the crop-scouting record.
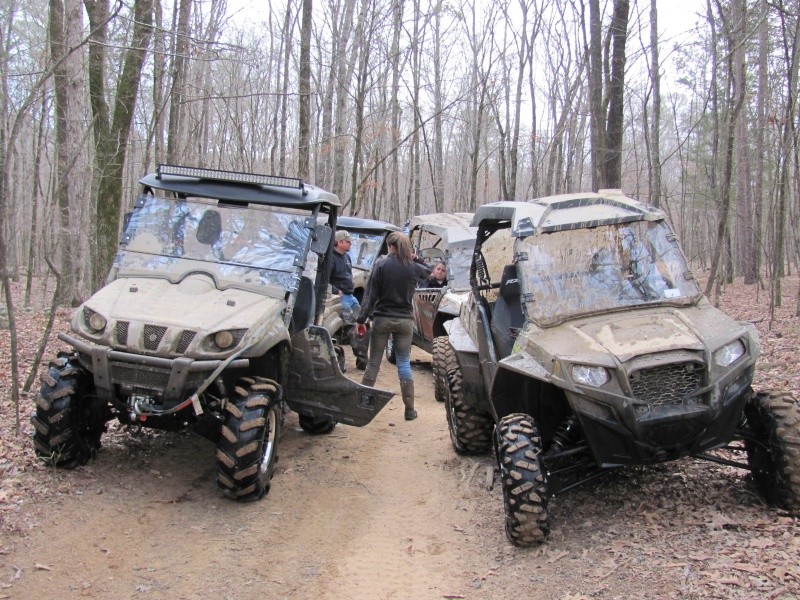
(735, 102)
(343, 79)
(752, 263)
(655, 124)
(183, 12)
(111, 143)
(394, 188)
(438, 103)
(597, 122)
(612, 169)
(62, 21)
(304, 141)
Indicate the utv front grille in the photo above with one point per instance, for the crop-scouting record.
(149, 378)
(186, 339)
(152, 379)
(122, 332)
(667, 384)
(152, 336)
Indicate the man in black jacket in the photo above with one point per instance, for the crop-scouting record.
(342, 276)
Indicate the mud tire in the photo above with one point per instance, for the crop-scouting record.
(248, 441)
(523, 479)
(773, 418)
(470, 428)
(69, 419)
(439, 375)
(316, 425)
(391, 356)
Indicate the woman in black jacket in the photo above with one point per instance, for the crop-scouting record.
(387, 302)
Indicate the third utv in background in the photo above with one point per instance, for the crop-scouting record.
(447, 238)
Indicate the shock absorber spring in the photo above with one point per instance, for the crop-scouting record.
(566, 435)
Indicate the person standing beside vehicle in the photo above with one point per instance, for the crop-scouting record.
(387, 302)
(341, 277)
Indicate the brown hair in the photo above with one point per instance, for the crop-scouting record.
(401, 245)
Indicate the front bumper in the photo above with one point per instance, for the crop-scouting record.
(170, 380)
(618, 434)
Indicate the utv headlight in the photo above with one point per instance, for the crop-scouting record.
(94, 320)
(593, 376)
(224, 339)
(729, 353)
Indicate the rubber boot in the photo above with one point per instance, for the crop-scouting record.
(407, 389)
(369, 378)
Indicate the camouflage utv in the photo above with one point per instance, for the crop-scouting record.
(447, 238)
(369, 243)
(207, 322)
(585, 344)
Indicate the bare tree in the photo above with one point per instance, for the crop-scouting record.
(112, 127)
(64, 26)
(180, 59)
(752, 262)
(790, 29)
(394, 187)
(607, 100)
(655, 117)
(304, 141)
(733, 28)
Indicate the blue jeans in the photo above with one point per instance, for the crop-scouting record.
(401, 331)
(350, 309)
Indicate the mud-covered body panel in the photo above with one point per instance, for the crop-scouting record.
(317, 387)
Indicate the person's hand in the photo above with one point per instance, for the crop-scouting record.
(361, 329)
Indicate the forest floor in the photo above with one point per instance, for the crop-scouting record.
(383, 511)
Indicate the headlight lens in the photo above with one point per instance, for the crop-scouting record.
(96, 322)
(593, 376)
(729, 353)
(223, 339)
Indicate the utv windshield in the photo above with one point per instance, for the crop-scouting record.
(458, 262)
(365, 249)
(581, 271)
(252, 246)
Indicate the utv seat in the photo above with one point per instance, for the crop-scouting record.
(507, 317)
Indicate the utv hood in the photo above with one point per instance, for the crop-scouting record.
(629, 334)
(194, 302)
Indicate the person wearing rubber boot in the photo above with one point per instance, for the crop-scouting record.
(387, 302)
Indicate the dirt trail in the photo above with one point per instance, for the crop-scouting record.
(384, 511)
(361, 513)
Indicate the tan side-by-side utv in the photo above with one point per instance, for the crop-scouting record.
(585, 344)
(211, 321)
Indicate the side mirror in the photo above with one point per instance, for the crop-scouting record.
(321, 240)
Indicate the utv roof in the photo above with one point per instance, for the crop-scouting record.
(452, 227)
(364, 225)
(238, 187)
(568, 211)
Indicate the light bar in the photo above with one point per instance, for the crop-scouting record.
(232, 176)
